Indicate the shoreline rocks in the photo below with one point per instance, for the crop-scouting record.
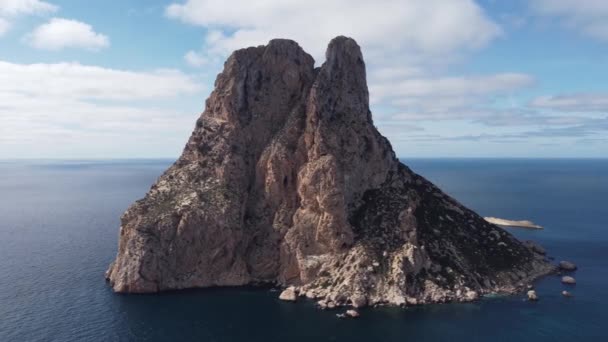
(470, 296)
(289, 294)
(535, 247)
(359, 301)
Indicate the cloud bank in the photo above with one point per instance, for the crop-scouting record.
(74, 109)
(381, 27)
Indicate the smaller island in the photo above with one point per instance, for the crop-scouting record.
(511, 223)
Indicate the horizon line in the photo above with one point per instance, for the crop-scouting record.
(400, 158)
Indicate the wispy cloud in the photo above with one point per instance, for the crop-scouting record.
(446, 98)
(589, 17)
(25, 7)
(83, 82)
(589, 130)
(452, 87)
(195, 59)
(580, 102)
(10, 9)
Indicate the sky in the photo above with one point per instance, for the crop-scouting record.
(447, 78)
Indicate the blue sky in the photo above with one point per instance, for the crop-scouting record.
(447, 78)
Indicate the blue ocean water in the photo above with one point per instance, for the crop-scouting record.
(59, 230)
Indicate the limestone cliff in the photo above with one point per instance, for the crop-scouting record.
(285, 179)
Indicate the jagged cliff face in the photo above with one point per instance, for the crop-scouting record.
(285, 179)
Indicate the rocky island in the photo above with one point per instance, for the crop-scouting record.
(286, 180)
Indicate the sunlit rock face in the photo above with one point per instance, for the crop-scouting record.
(285, 179)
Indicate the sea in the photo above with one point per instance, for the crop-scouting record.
(59, 229)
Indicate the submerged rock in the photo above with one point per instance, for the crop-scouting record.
(352, 313)
(567, 266)
(286, 179)
(566, 294)
(568, 280)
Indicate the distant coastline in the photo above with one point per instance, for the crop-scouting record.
(513, 223)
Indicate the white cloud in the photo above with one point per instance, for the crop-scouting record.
(28, 7)
(69, 109)
(386, 28)
(589, 17)
(195, 59)
(9, 9)
(61, 33)
(77, 81)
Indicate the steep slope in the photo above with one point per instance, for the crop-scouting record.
(285, 179)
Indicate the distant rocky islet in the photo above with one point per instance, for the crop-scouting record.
(513, 223)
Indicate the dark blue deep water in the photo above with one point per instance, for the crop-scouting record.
(59, 229)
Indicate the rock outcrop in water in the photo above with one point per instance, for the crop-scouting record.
(285, 179)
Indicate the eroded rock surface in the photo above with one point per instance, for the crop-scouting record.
(285, 179)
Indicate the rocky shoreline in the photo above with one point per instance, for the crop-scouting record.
(293, 293)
